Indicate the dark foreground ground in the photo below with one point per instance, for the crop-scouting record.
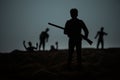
(97, 65)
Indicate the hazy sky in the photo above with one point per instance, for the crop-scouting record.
(25, 19)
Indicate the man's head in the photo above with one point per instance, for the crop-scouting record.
(30, 44)
(47, 29)
(102, 28)
(74, 13)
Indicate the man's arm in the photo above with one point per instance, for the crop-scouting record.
(96, 35)
(47, 36)
(36, 46)
(85, 29)
(24, 45)
(66, 28)
(105, 33)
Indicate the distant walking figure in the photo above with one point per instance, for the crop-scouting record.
(43, 38)
(73, 29)
(30, 48)
(100, 33)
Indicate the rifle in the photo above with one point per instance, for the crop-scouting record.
(85, 38)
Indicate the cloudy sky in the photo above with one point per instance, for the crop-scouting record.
(25, 19)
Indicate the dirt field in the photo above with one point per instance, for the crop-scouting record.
(96, 65)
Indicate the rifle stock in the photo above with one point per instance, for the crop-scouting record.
(85, 38)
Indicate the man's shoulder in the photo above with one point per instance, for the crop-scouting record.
(79, 20)
(99, 32)
(42, 32)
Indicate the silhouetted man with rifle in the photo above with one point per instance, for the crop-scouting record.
(73, 28)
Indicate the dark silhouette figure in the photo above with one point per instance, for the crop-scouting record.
(100, 33)
(43, 38)
(73, 29)
(56, 43)
(52, 48)
(30, 48)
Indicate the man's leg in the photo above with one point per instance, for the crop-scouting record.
(98, 43)
(102, 44)
(78, 50)
(43, 45)
(70, 52)
(39, 45)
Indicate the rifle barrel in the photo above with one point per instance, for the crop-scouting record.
(56, 26)
(85, 38)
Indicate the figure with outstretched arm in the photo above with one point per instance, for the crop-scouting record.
(100, 34)
(30, 47)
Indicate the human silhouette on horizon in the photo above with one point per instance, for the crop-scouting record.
(100, 34)
(56, 43)
(73, 28)
(52, 48)
(30, 47)
(43, 38)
